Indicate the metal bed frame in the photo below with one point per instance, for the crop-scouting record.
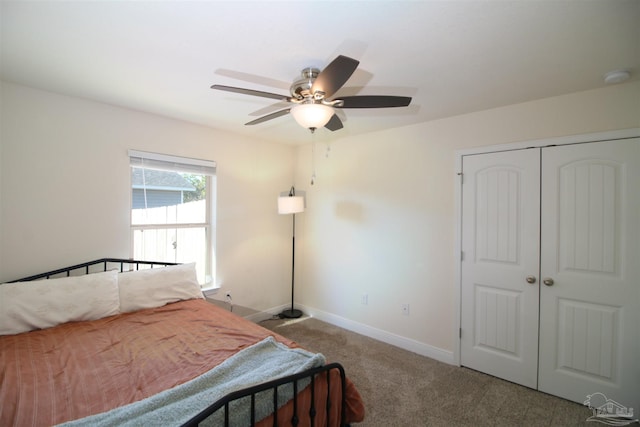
(104, 264)
(273, 385)
(86, 266)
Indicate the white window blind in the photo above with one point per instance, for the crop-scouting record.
(142, 159)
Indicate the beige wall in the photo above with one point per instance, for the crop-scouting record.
(64, 180)
(381, 216)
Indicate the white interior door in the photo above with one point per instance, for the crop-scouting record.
(500, 244)
(590, 314)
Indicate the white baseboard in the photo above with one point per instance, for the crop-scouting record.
(409, 344)
(268, 314)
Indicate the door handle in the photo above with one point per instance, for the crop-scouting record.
(531, 279)
(548, 281)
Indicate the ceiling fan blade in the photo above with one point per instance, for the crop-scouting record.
(374, 101)
(334, 123)
(252, 92)
(254, 79)
(334, 75)
(268, 117)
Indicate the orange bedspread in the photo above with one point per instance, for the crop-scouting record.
(83, 368)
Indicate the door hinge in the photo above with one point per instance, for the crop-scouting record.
(461, 175)
(460, 333)
(461, 255)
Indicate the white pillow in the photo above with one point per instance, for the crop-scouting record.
(155, 287)
(25, 306)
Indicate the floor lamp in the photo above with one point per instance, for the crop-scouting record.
(291, 204)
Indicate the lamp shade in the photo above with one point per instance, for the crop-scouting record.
(290, 204)
(312, 115)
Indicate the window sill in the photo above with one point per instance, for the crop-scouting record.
(210, 289)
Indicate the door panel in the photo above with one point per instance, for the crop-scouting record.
(500, 228)
(590, 315)
(589, 208)
(586, 337)
(497, 320)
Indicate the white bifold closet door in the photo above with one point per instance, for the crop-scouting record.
(554, 303)
(590, 262)
(500, 235)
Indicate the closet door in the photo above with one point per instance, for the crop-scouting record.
(500, 244)
(590, 265)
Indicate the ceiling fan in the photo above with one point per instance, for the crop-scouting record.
(311, 96)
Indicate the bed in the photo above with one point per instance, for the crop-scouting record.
(121, 342)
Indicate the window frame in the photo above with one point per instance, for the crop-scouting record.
(178, 164)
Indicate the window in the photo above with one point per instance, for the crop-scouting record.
(173, 211)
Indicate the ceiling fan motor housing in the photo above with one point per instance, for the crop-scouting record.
(301, 89)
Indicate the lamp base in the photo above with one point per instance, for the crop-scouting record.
(290, 314)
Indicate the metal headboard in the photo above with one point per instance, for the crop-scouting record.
(108, 263)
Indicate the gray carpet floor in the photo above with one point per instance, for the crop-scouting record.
(401, 388)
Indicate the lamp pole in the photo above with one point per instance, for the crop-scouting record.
(293, 313)
(292, 208)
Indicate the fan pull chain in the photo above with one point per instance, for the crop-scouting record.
(313, 157)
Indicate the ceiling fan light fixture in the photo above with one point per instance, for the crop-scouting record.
(312, 116)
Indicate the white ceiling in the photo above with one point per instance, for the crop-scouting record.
(452, 57)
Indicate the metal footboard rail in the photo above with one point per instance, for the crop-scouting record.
(273, 385)
(87, 265)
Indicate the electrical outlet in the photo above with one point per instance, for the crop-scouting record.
(365, 299)
(405, 309)
(229, 300)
